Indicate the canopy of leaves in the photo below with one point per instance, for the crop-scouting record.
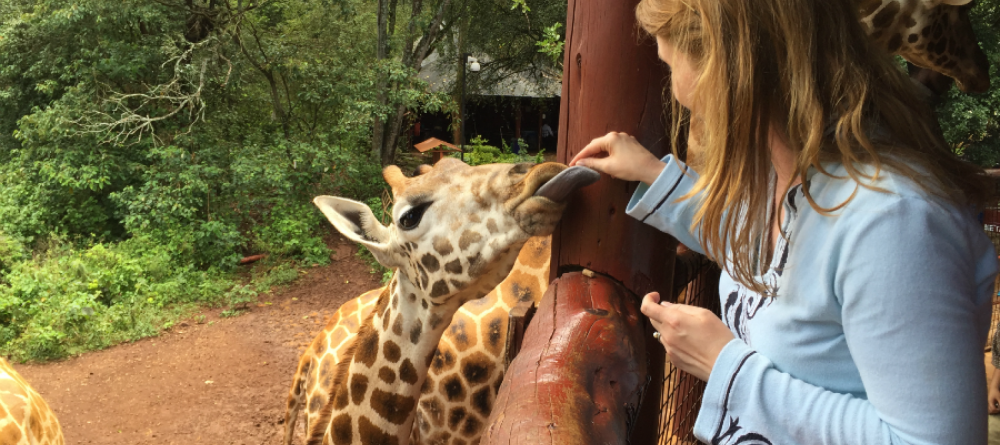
(971, 123)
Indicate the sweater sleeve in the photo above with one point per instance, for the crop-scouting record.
(910, 279)
(655, 204)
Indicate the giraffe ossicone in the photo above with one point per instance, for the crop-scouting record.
(457, 231)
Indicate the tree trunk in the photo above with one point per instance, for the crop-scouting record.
(381, 53)
(412, 58)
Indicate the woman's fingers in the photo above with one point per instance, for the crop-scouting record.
(691, 336)
(595, 148)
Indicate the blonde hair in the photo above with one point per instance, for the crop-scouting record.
(801, 67)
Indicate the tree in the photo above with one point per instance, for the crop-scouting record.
(971, 122)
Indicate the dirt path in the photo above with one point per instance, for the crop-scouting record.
(219, 383)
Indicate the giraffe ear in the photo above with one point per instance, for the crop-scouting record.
(357, 222)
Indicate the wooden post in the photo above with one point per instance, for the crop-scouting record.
(612, 81)
(576, 379)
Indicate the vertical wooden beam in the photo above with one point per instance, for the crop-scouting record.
(613, 80)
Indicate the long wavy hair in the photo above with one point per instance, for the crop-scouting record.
(807, 69)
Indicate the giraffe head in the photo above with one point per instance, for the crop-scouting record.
(932, 34)
(457, 229)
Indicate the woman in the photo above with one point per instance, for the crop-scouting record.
(856, 280)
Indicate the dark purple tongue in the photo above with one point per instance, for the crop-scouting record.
(567, 182)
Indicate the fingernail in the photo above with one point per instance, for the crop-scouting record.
(665, 303)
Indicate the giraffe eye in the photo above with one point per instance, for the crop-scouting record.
(411, 219)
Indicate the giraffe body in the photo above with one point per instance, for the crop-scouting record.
(458, 252)
(25, 418)
(479, 327)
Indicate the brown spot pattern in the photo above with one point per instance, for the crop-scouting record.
(453, 388)
(494, 332)
(393, 407)
(455, 417)
(343, 433)
(391, 351)
(367, 350)
(440, 289)
(359, 387)
(372, 434)
(407, 372)
(442, 246)
(444, 359)
(430, 262)
(387, 375)
(416, 331)
(459, 331)
(468, 238)
(477, 368)
(454, 267)
(434, 410)
(472, 426)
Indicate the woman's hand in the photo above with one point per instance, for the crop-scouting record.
(692, 336)
(621, 156)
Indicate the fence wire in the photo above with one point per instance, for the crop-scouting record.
(680, 399)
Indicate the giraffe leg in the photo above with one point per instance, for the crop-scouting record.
(296, 398)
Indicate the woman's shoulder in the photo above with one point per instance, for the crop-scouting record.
(873, 189)
(893, 202)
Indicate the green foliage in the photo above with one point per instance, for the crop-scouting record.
(552, 43)
(971, 122)
(479, 153)
(71, 300)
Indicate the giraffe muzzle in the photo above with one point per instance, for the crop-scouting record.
(566, 182)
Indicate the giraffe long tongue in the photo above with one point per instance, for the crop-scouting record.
(566, 182)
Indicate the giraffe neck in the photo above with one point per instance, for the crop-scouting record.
(377, 397)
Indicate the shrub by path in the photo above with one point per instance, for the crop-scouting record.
(200, 383)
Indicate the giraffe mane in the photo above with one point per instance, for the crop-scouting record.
(342, 370)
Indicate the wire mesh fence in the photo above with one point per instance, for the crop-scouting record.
(680, 399)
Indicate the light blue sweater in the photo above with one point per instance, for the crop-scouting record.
(877, 331)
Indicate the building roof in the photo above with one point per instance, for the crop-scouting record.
(441, 76)
(435, 143)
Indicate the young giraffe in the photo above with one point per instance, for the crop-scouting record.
(932, 34)
(479, 327)
(25, 419)
(444, 255)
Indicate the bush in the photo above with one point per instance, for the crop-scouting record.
(67, 301)
(479, 153)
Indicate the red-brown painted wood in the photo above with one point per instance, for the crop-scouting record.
(612, 81)
(579, 375)
(559, 388)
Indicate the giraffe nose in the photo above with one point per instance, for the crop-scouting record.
(568, 181)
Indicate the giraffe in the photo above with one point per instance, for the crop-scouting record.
(25, 419)
(445, 255)
(479, 326)
(932, 34)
